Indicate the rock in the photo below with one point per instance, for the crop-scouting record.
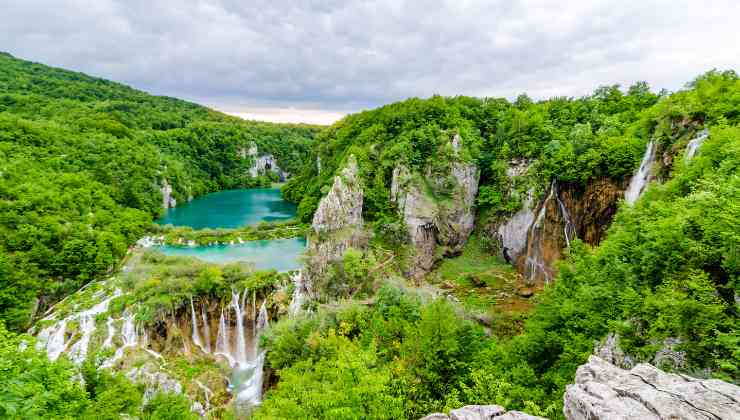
(337, 226)
(669, 356)
(611, 352)
(525, 292)
(167, 200)
(342, 206)
(475, 280)
(262, 163)
(604, 391)
(155, 382)
(433, 220)
(448, 285)
(482, 412)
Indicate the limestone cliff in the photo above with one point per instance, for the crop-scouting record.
(337, 226)
(263, 163)
(438, 208)
(604, 391)
(168, 201)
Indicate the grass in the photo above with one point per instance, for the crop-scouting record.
(483, 284)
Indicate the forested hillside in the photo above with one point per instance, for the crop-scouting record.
(664, 281)
(82, 162)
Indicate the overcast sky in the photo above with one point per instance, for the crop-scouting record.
(315, 61)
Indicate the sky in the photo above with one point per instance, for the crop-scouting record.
(315, 61)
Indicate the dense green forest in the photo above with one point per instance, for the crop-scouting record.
(82, 161)
(668, 269)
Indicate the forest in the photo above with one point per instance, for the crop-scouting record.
(82, 161)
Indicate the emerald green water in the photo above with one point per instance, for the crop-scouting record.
(231, 209)
(278, 254)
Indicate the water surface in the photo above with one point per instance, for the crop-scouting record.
(231, 209)
(280, 254)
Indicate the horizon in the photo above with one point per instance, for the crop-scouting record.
(315, 64)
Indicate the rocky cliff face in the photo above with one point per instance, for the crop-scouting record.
(263, 163)
(168, 201)
(535, 236)
(220, 337)
(482, 412)
(604, 391)
(337, 226)
(438, 208)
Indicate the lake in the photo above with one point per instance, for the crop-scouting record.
(280, 254)
(231, 209)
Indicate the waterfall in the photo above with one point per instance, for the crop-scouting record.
(535, 260)
(223, 345)
(641, 178)
(196, 334)
(694, 144)
(296, 302)
(108, 343)
(53, 337)
(568, 228)
(129, 337)
(206, 327)
(241, 345)
(262, 321)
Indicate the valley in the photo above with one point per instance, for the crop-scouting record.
(425, 259)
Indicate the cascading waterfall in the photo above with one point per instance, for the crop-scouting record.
(241, 344)
(206, 327)
(129, 337)
(296, 301)
(108, 343)
(223, 344)
(196, 334)
(694, 144)
(641, 178)
(53, 338)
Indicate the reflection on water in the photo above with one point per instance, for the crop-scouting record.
(231, 209)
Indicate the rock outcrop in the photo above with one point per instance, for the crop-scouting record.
(438, 208)
(482, 412)
(567, 211)
(337, 226)
(168, 201)
(263, 163)
(604, 391)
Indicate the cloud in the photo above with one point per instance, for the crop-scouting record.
(340, 56)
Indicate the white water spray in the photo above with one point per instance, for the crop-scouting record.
(694, 144)
(642, 177)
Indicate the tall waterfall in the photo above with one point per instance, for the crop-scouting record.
(569, 229)
(535, 262)
(196, 334)
(206, 327)
(241, 343)
(694, 144)
(641, 178)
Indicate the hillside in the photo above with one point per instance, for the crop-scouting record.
(83, 162)
(459, 251)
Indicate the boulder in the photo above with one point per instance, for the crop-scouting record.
(482, 412)
(604, 391)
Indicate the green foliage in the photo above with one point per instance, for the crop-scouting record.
(81, 164)
(162, 285)
(33, 387)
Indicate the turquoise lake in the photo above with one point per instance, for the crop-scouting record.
(231, 209)
(278, 254)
